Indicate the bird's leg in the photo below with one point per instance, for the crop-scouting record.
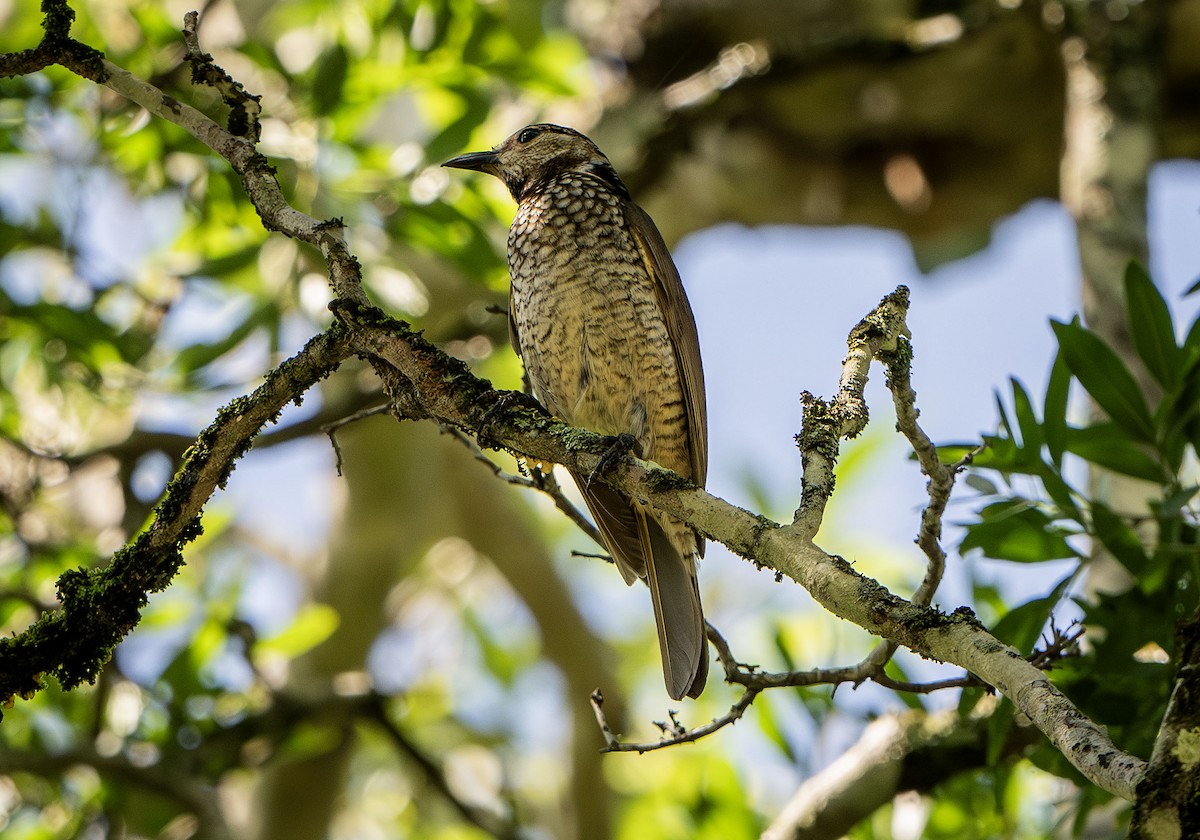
(619, 447)
(501, 402)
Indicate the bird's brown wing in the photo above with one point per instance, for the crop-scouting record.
(672, 576)
(514, 338)
(681, 326)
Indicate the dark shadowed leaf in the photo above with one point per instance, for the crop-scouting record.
(1054, 421)
(330, 79)
(1031, 431)
(1151, 327)
(1109, 446)
(1016, 530)
(1118, 537)
(1105, 377)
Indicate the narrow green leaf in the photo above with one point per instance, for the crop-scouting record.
(330, 79)
(998, 726)
(1118, 537)
(1059, 492)
(1004, 417)
(1174, 504)
(1058, 391)
(1031, 431)
(313, 624)
(896, 671)
(1103, 375)
(769, 726)
(1022, 625)
(1151, 327)
(981, 485)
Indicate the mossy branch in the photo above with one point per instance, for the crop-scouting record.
(100, 606)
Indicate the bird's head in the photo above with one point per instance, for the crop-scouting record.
(536, 155)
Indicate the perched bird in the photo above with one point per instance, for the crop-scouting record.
(598, 314)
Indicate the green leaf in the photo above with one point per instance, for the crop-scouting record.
(1005, 424)
(1054, 422)
(1118, 537)
(896, 671)
(1108, 446)
(1105, 377)
(1059, 492)
(998, 726)
(1151, 327)
(1022, 625)
(981, 485)
(313, 624)
(330, 79)
(1174, 504)
(1016, 530)
(1031, 431)
(769, 726)
(192, 358)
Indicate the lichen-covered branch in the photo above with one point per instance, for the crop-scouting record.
(450, 394)
(100, 606)
(827, 422)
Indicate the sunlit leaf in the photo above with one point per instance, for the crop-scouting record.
(313, 624)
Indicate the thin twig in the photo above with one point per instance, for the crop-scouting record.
(494, 824)
(674, 733)
(331, 429)
(543, 482)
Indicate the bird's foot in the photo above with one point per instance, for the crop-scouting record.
(502, 401)
(620, 446)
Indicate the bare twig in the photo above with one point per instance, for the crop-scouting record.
(674, 733)
(543, 482)
(331, 429)
(488, 821)
(244, 107)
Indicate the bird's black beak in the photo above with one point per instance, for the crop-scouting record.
(479, 161)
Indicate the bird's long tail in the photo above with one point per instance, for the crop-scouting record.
(642, 549)
(675, 593)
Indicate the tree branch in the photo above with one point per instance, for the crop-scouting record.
(197, 797)
(100, 606)
(449, 393)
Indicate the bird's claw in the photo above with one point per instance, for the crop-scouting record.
(621, 446)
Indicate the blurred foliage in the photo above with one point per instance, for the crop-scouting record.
(138, 290)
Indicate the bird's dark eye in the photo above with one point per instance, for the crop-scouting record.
(528, 134)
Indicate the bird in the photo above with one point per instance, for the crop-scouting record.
(599, 316)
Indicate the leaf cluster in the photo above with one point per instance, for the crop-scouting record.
(1046, 480)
